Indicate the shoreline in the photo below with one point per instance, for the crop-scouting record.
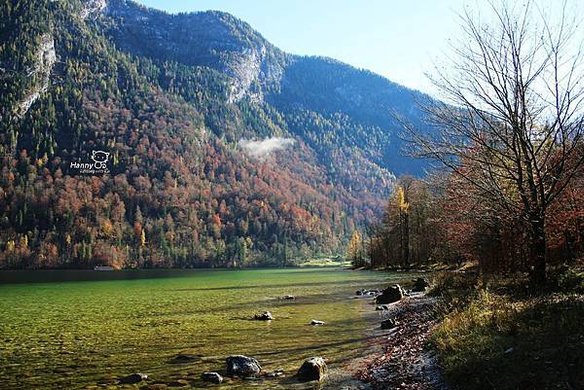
(398, 358)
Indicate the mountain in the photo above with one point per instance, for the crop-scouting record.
(220, 148)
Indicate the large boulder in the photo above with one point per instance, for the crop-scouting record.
(212, 377)
(242, 366)
(420, 285)
(391, 294)
(265, 316)
(388, 324)
(313, 369)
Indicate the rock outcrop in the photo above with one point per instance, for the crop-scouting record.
(92, 8)
(45, 60)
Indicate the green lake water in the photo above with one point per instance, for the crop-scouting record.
(83, 329)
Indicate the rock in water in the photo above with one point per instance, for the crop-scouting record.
(243, 366)
(388, 324)
(316, 322)
(265, 316)
(185, 358)
(178, 383)
(275, 374)
(313, 369)
(212, 377)
(133, 378)
(391, 294)
(289, 297)
(420, 285)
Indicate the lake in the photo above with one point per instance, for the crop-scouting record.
(83, 329)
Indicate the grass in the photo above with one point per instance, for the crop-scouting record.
(495, 336)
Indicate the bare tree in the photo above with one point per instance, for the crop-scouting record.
(511, 119)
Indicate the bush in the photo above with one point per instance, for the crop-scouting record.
(569, 280)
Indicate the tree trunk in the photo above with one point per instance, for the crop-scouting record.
(538, 251)
(406, 241)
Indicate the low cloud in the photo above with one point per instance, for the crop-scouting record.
(262, 149)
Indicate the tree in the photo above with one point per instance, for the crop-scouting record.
(403, 214)
(355, 252)
(511, 117)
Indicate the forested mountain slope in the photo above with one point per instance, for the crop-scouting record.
(221, 149)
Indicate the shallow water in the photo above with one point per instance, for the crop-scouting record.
(80, 329)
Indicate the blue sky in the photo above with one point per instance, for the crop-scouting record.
(399, 39)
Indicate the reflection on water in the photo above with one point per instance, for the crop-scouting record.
(73, 329)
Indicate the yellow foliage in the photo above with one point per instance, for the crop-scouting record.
(354, 249)
(10, 246)
(400, 200)
(24, 241)
(107, 227)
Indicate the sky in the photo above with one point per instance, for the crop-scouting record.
(399, 39)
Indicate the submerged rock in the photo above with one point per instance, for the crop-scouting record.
(185, 358)
(265, 316)
(178, 383)
(365, 292)
(155, 386)
(243, 366)
(391, 294)
(133, 378)
(313, 369)
(212, 377)
(275, 374)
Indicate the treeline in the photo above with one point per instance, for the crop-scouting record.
(442, 220)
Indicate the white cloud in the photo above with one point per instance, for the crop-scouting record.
(261, 149)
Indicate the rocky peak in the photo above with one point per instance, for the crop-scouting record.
(212, 38)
